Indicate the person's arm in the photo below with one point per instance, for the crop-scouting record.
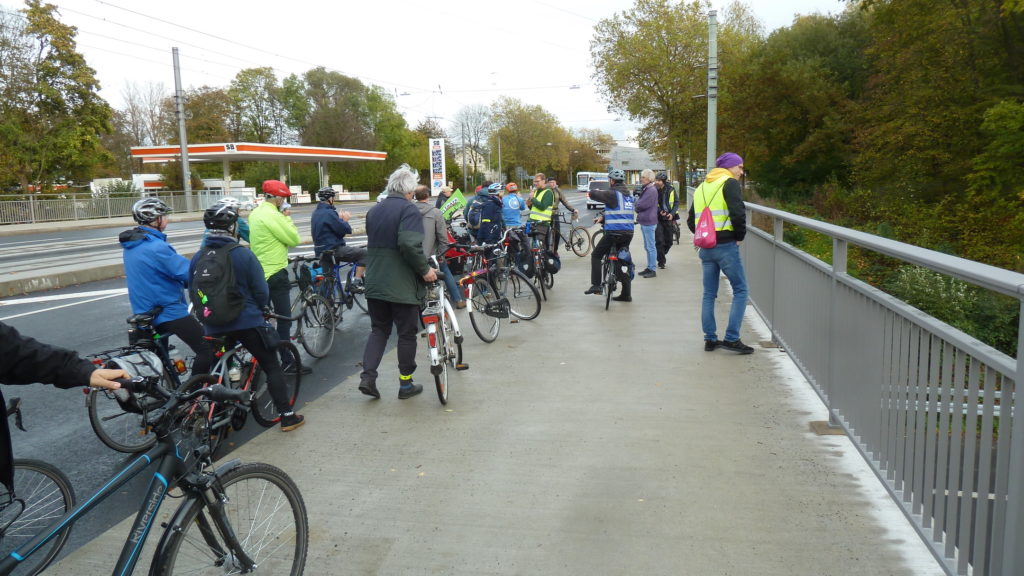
(243, 229)
(172, 264)
(646, 201)
(737, 209)
(24, 360)
(691, 220)
(410, 242)
(674, 208)
(283, 229)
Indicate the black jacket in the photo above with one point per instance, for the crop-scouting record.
(24, 360)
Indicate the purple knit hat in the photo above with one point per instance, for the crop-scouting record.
(728, 160)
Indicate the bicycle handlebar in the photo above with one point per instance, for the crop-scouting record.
(215, 392)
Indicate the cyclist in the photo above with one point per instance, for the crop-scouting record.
(512, 206)
(492, 225)
(271, 234)
(250, 328)
(618, 231)
(668, 213)
(242, 229)
(329, 229)
(541, 204)
(157, 275)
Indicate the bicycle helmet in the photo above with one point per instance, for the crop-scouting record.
(325, 193)
(220, 216)
(230, 201)
(661, 176)
(495, 188)
(616, 174)
(512, 187)
(276, 188)
(147, 210)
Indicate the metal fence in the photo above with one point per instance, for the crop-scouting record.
(27, 210)
(930, 408)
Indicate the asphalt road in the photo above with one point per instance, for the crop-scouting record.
(90, 318)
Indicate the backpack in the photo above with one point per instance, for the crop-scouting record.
(216, 298)
(474, 214)
(704, 234)
(552, 262)
(625, 266)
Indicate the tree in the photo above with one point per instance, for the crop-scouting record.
(472, 126)
(256, 98)
(51, 115)
(525, 132)
(333, 111)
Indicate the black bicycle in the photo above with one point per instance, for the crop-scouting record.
(232, 519)
(40, 495)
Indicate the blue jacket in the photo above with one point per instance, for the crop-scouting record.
(492, 225)
(155, 273)
(512, 210)
(328, 228)
(252, 285)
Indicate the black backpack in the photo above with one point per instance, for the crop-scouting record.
(216, 299)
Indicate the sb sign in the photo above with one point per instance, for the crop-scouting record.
(437, 166)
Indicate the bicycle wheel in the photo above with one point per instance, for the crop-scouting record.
(609, 283)
(42, 495)
(547, 279)
(120, 429)
(481, 294)
(263, 409)
(212, 420)
(316, 327)
(264, 509)
(438, 333)
(523, 296)
(538, 278)
(579, 241)
(596, 237)
(358, 297)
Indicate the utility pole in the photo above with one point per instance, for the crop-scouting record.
(712, 89)
(179, 108)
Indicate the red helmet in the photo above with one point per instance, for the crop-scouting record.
(276, 188)
(512, 187)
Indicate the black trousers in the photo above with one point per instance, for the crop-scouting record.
(261, 343)
(610, 241)
(383, 315)
(188, 329)
(663, 239)
(280, 298)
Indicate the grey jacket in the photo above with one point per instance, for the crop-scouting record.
(435, 232)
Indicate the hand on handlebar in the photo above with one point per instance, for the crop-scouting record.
(430, 276)
(105, 378)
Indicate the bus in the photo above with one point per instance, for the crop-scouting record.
(583, 179)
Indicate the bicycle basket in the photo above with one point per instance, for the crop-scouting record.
(497, 309)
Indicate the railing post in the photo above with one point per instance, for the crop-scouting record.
(777, 235)
(1013, 552)
(74, 206)
(839, 264)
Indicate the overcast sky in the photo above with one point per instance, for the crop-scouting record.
(436, 57)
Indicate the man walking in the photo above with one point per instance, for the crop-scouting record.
(271, 234)
(721, 191)
(668, 213)
(647, 218)
(395, 264)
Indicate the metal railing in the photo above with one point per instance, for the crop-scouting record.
(27, 210)
(930, 408)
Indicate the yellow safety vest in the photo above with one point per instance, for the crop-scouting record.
(538, 214)
(710, 194)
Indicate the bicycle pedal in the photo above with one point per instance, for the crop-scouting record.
(462, 366)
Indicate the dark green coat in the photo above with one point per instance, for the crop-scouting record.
(395, 263)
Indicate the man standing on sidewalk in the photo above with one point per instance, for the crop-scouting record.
(721, 191)
(647, 218)
(395, 263)
(271, 234)
(668, 213)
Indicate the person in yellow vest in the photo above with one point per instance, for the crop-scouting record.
(271, 234)
(721, 191)
(541, 205)
(668, 213)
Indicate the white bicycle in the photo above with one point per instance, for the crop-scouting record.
(444, 339)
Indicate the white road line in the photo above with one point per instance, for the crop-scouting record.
(34, 299)
(57, 307)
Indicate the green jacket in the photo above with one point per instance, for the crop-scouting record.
(271, 234)
(395, 262)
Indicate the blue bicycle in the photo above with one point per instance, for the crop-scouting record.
(339, 285)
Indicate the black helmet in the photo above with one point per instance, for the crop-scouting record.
(220, 216)
(147, 210)
(325, 193)
(616, 174)
(661, 176)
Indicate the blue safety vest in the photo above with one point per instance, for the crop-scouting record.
(620, 219)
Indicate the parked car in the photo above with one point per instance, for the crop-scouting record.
(596, 185)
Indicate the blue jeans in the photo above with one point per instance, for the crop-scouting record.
(723, 258)
(454, 292)
(649, 245)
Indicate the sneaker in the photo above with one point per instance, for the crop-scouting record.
(736, 346)
(710, 345)
(648, 273)
(460, 304)
(621, 298)
(409, 391)
(291, 421)
(594, 290)
(369, 387)
(662, 266)
(289, 369)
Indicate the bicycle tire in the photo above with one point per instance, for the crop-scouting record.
(440, 370)
(47, 495)
(214, 425)
(250, 491)
(609, 283)
(579, 241)
(358, 297)
(596, 237)
(263, 409)
(523, 296)
(316, 327)
(118, 429)
(538, 271)
(480, 295)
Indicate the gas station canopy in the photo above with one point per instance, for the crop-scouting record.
(249, 152)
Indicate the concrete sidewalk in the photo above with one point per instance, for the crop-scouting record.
(584, 442)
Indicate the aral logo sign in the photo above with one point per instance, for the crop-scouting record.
(437, 171)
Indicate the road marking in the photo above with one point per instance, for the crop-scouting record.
(34, 299)
(57, 307)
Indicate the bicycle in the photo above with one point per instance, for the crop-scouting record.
(232, 519)
(543, 279)
(314, 315)
(578, 239)
(41, 493)
(608, 280)
(337, 291)
(509, 281)
(487, 308)
(114, 416)
(444, 339)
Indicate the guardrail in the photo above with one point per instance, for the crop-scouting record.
(30, 209)
(930, 408)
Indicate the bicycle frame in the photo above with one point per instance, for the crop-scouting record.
(171, 469)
